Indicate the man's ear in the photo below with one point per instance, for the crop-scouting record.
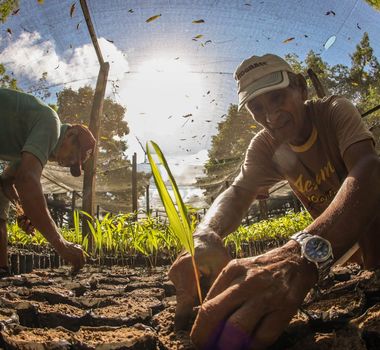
(71, 132)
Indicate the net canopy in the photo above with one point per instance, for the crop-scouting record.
(171, 66)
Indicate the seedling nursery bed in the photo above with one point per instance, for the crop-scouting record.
(133, 308)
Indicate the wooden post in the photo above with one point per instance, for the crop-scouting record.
(134, 185)
(90, 165)
(147, 200)
(263, 209)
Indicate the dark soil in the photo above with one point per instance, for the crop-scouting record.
(122, 308)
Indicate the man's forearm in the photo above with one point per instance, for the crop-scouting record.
(226, 213)
(33, 202)
(353, 208)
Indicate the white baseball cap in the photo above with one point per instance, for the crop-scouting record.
(260, 74)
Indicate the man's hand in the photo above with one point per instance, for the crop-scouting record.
(73, 253)
(253, 300)
(210, 257)
(26, 225)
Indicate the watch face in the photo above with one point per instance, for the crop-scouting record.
(317, 249)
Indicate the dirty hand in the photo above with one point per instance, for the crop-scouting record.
(210, 257)
(73, 253)
(26, 225)
(253, 300)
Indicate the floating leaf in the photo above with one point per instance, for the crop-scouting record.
(247, 4)
(330, 13)
(288, 40)
(305, 35)
(78, 25)
(207, 121)
(72, 10)
(150, 19)
(198, 36)
(198, 21)
(358, 26)
(208, 42)
(330, 41)
(131, 11)
(9, 31)
(110, 41)
(177, 58)
(354, 83)
(187, 115)
(15, 12)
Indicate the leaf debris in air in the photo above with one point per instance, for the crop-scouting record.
(288, 40)
(198, 21)
(151, 19)
(330, 13)
(110, 41)
(131, 11)
(72, 10)
(15, 12)
(9, 31)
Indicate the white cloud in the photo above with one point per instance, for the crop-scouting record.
(30, 57)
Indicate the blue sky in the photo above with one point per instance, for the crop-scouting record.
(162, 73)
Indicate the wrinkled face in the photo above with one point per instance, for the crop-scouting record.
(282, 113)
(69, 152)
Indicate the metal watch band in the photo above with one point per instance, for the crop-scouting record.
(322, 267)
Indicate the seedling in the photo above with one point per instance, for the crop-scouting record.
(179, 223)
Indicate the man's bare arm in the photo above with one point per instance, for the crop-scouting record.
(226, 213)
(28, 185)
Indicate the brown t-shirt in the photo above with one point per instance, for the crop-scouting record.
(314, 170)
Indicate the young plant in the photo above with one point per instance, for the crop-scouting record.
(179, 223)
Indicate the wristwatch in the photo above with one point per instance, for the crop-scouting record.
(316, 250)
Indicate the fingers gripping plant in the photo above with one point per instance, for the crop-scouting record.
(179, 223)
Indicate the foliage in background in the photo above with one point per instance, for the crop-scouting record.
(7, 7)
(227, 151)
(120, 236)
(114, 169)
(374, 3)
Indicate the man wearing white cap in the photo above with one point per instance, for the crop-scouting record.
(30, 135)
(323, 149)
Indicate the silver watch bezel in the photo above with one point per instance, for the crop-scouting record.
(328, 256)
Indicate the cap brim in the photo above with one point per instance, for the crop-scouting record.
(270, 82)
(75, 170)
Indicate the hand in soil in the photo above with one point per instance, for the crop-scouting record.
(253, 300)
(74, 254)
(210, 258)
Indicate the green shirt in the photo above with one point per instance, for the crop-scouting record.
(27, 125)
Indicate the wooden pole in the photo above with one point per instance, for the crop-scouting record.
(90, 165)
(134, 185)
(147, 200)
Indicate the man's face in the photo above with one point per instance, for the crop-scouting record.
(282, 113)
(69, 152)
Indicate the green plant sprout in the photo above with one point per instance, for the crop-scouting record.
(179, 223)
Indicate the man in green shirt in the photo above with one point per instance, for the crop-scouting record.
(30, 135)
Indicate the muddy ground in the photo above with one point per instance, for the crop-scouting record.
(123, 308)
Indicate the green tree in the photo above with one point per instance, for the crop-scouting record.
(374, 3)
(6, 8)
(227, 151)
(113, 169)
(7, 80)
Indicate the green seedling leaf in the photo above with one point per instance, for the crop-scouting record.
(179, 223)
